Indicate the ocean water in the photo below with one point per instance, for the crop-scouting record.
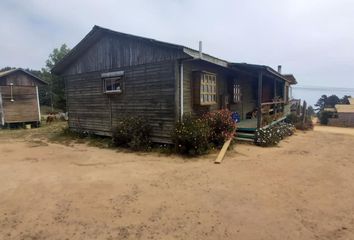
(312, 94)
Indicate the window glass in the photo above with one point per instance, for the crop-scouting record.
(208, 89)
(113, 84)
(236, 93)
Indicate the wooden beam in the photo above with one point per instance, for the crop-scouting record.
(223, 151)
(259, 102)
(275, 96)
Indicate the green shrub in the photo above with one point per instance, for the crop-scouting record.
(298, 123)
(324, 115)
(191, 136)
(271, 136)
(132, 132)
(292, 118)
(222, 127)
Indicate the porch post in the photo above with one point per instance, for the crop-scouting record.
(275, 106)
(259, 102)
(181, 93)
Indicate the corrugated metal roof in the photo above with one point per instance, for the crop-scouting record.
(345, 108)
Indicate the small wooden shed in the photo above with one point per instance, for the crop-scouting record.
(344, 116)
(19, 100)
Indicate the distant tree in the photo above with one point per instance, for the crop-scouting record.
(55, 91)
(321, 103)
(332, 101)
(52, 94)
(311, 111)
(327, 102)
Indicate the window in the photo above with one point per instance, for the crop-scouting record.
(112, 82)
(207, 89)
(113, 85)
(237, 93)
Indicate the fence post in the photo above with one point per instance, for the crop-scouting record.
(304, 112)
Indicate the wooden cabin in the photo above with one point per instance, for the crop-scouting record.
(343, 114)
(19, 101)
(110, 75)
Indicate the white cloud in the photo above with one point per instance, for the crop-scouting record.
(312, 39)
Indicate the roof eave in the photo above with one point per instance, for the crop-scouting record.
(205, 57)
(92, 36)
(25, 72)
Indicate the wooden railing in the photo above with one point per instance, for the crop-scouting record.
(272, 111)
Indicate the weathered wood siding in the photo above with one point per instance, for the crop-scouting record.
(24, 108)
(343, 120)
(2, 116)
(18, 79)
(111, 52)
(149, 92)
(222, 78)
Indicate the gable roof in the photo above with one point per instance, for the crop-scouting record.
(9, 72)
(98, 32)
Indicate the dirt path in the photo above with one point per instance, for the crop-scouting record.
(303, 189)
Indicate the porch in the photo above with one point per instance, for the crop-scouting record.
(259, 94)
(272, 112)
(270, 101)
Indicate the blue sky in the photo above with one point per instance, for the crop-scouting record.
(312, 39)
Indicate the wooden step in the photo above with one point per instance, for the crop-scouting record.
(245, 135)
(244, 139)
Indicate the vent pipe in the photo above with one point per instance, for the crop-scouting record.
(200, 49)
(279, 69)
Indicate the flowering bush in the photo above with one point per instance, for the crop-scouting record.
(272, 135)
(132, 132)
(195, 136)
(191, 136)
(221, 125)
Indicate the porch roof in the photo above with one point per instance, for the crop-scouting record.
(255, 69)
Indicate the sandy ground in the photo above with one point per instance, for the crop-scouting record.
(303, 189)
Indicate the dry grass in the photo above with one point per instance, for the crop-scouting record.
(56, 132)
(302, 189)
